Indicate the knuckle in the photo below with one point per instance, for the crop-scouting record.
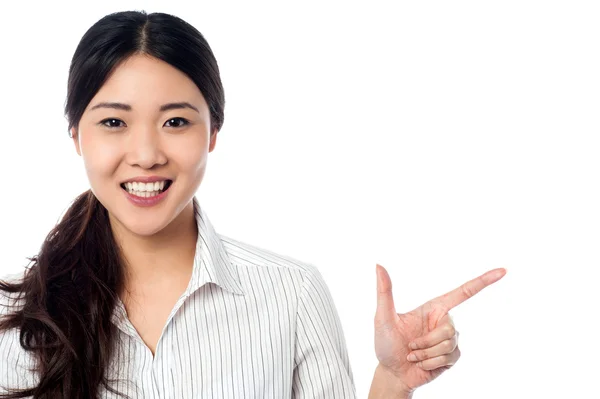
(467, 291)
(448, 346)
(454, 343)
(449, 331)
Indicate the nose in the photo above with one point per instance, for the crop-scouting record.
(145, 148)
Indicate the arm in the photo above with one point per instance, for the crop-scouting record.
(321, 364)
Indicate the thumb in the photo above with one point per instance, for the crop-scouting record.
(386, 311)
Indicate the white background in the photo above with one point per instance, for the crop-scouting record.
(440, 139)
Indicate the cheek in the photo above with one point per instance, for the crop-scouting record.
(100, 157)
(192, 156)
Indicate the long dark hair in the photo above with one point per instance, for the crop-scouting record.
(70, 288)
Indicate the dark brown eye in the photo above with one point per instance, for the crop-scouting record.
(183, 122)
(113, 123)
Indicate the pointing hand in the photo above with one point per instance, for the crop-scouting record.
(420, 345)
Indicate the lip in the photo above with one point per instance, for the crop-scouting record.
(146, 179)
(150, 201)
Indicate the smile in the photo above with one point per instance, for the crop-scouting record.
(146, 190)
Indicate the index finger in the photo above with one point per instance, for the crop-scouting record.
(470, 288)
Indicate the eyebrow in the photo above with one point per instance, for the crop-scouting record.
(127, 107)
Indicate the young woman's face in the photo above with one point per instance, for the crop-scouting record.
(120, 145)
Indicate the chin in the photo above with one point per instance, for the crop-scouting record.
(145, 229)
(144, 226)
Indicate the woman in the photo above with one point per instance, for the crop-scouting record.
(118, 301)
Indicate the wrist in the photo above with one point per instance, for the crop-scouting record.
(387, 385)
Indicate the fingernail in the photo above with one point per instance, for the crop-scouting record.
(412, 357)
(413, 345)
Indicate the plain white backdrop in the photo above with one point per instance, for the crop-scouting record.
(439, 139)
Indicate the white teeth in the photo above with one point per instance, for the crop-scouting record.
(154, 186)
(145, 194)
(145, 189)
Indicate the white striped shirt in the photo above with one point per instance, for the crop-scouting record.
(266, 327)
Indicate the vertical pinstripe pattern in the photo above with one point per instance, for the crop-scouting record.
(251, 324)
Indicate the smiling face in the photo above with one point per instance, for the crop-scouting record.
(118, 145)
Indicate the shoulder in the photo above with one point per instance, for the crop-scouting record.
(246, 254)
(16, 363)
(259, 261)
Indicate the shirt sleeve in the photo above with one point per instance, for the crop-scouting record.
(321, 364)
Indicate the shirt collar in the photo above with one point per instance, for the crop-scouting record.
(212, 263)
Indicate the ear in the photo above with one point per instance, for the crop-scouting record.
(213, 140)
(75, 138)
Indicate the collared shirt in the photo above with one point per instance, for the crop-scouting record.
(251, 324)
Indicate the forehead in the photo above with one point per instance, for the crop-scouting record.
(147, 82)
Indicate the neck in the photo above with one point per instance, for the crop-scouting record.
(162, 259)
